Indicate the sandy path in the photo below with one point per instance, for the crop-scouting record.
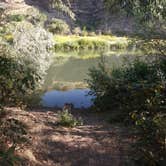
(96, 143)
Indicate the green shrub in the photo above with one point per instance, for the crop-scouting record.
(16, 80)
(92, 44)
(77, 31)
(84, 31)
(138, 92)
(68, 120)
(34, 45)
(23, 64)
(16, 18)
(8, 157)
(82, 44)
(150, 146)
(109, 86)
(57, 26)
(36, 17)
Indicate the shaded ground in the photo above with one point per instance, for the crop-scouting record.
(96, 143)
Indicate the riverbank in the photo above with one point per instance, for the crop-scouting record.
(95, 42)
(96, 142)
(104, 43)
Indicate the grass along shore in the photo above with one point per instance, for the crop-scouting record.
(100, 42)
(104, 43)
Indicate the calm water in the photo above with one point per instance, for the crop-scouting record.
(74, 69)
(76, 96)
(66, 71)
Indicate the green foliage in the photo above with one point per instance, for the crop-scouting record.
(138, 92)
(89, 43)
(8, 38)
(16, 80)
(150, 145)
(77, 31)
(145, 10)
(24, 58)
(8, 157)
(36, 17)
(84, 31)
(119, 83)
(82, 44)
(113, 5)
(57, 26)
(33, 44)
(16, 17)
(68, 120)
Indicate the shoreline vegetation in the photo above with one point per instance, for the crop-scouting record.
(65, 86)
(97, 42)
(76, 43)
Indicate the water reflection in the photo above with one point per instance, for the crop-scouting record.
(68, 72)
(70, 69)
(78, 97)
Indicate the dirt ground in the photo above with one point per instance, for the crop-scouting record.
(96, 143)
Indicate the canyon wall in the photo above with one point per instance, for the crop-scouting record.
(85, 13)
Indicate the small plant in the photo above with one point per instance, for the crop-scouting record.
(57, 26)
(36, 17)
(9, 38)
(8, 157)
(68, 120)
(77, 31)
(16, 17)
(84, 31)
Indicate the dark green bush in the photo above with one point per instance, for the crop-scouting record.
(23, 65)
(138, 91)
(16, 79)
(8, 157)
(117, 88)
(150, 146)
(16, 18)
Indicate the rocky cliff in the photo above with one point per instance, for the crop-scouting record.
(83, 13)
(88, 13)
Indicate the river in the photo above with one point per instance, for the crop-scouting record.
(66, 77)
